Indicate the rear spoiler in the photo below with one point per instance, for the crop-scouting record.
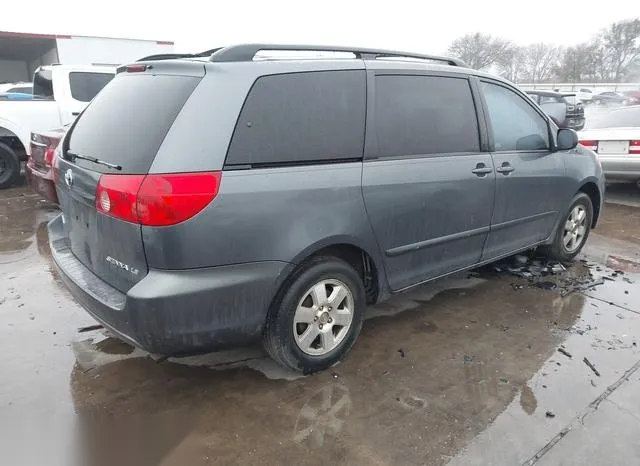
(177, 56)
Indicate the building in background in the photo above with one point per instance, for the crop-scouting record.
(21, 53)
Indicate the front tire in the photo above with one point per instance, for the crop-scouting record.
(316, 318)
(9, 166)
(573, 230)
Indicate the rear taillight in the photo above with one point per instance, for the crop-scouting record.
(156, 200)
(592, 145)
(45, 145)
(634, 147)
(116, 196)
(48, 155)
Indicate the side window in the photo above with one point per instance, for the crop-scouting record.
(515, 123)
(424, 115)
(534, 97)
(301, 117)
(85, 86)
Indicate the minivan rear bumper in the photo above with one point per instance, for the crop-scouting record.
(174, 312)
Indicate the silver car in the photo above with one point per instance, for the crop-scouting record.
(615, 137)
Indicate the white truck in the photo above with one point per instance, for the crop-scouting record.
(60, 93)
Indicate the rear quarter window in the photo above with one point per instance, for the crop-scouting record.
(301, 118)
(128, 120)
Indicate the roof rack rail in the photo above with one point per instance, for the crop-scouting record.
(247, 52)
(176, 56)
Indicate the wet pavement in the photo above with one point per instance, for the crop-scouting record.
(463, 371)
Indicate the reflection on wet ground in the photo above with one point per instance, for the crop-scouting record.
(621, 222)
(466, 370)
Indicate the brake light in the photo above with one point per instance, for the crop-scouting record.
(634, 146)
(592, 145)
(116, 196)
(156, 200)
(49, 154)
(136, 68)
(46, 145)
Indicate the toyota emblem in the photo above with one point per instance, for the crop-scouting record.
(68, 177)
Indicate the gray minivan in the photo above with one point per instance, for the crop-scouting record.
(211, 202)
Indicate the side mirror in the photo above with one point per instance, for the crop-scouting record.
(567, 139)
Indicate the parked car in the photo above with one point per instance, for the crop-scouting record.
(615, 137)
(610, 97)
(633, 97)
(60, 93)
(20, 87)
(584, 95)
(39, 168)
(208, 203)
(566, 110)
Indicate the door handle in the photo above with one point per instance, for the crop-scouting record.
(505, 169)
(481, 170)
(75, 113)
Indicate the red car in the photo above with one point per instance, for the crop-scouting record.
(634, 96)
(39, 168)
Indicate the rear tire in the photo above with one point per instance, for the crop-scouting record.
(9, 166)
(573, 230)
(308, 331)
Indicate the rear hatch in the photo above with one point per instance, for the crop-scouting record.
(120, 132)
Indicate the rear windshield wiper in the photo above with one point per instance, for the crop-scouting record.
(94, 160)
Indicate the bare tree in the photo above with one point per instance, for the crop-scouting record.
(511, 64)
(621, 42)
(479, 50)
(541, 60)
(579, 63)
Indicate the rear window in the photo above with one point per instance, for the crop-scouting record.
(126, 122)
(424, 115)
(301, 118)
(85, 86)
(42, 84)
(623, 118)
(549, 99)
(571, 99)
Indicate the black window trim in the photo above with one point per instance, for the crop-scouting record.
(531, 104)
(372, 151)
(294, 163)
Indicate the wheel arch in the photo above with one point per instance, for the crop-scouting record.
(590, 188)
(15, 137)
(365, 260)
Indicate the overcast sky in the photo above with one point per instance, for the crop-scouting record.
(419, 26)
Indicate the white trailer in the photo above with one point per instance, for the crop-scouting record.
(21, 53)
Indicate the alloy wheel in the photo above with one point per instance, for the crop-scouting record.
(323, 317)
(575, 228)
